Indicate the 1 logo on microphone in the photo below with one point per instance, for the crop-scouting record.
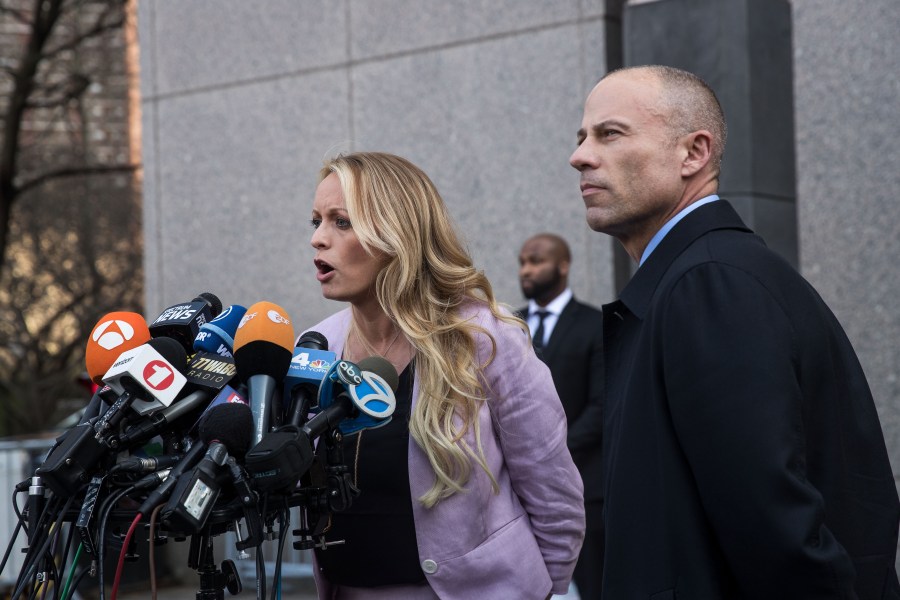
(158, 375)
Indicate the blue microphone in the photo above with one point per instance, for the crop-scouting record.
(310, 364)
(217, 336)
(354, 397)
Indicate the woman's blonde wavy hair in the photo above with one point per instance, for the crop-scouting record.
(394, 208)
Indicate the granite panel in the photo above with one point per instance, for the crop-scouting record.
(493, 124)
(592, 8)
(150, 207)
(205, 43)
(146, 27)
(382, 27)
(846, 85)
(592, 36)
(238, 170)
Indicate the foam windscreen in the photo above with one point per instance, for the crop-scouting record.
(113, 334)
(381, 366)
(264, 342)
(230, 423)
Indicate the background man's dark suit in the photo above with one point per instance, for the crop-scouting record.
(574, 354)
(744, 456)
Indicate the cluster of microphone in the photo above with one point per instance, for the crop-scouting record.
(204, 419)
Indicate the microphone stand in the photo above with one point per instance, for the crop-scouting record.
(343, 489)
(213, 581)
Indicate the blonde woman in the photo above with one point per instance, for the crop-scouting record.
(470, 491)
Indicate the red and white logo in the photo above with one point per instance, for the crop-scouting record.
(235, 397)
(158, 375)
(112, 334)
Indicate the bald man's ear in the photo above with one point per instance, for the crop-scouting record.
(698, 147)
(564, 268)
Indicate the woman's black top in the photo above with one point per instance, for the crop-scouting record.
(378, 529)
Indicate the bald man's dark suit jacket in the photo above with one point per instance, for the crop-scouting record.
(743, 456)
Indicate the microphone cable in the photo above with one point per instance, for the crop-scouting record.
(64, 557)
(53, 569)
(32, 557)
(9, 547)
(260, 559)
(124, 552)
(283, 522)
(105, 508)
(32, 560)
(71, 577)
(76, 583)
(152, 550)
(19, 526)
(53, 576)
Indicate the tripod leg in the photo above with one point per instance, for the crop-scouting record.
(212, 580)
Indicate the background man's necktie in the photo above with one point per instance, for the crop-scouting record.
(538, 339)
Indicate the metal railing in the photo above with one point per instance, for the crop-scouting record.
(18, 460)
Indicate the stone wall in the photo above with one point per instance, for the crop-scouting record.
(241, 105)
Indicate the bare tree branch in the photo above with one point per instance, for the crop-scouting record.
(45, 17)
(18, 15)
(75, 171)
(69, 261)
(99, 27)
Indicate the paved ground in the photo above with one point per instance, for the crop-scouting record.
(297, 593)
(185, 592)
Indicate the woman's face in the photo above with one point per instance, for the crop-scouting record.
(344, 269)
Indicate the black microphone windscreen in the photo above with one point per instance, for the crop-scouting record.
(215, 305)
(314, 340)
(381, 366)
(230, 423)
(261, 357)
(171, 350)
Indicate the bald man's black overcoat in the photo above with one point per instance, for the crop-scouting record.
(743, 455)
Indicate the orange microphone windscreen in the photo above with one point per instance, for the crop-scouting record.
(113, 334)
(264, 342)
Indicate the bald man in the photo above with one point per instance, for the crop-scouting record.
(743, 456)
(569, 340)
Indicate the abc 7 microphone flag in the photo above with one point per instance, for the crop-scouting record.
(371, 394)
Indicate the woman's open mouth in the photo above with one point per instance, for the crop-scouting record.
(324, 270)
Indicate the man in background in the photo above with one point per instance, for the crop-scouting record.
(567, 336)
